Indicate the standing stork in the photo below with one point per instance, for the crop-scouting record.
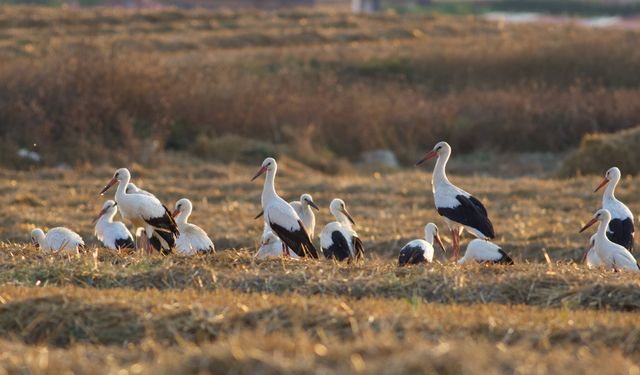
(57, 240)
(338, 239)
(421, 251)
(281, 217)
(192, 239)
(113, 234)
(145, 211)
(611, 254)
(459, 209)
(621, 228)
(483, 251)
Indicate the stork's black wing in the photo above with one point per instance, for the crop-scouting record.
(411, 255)
(621, 232)
(339, 248)
(298, 240)
(471, 213)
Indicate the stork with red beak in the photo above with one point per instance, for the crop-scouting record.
(611, 254)
(281, 217)
(338, 239)
(114, 235)
(145, 211)
(421, 250)
(621, 228)
(460, 210)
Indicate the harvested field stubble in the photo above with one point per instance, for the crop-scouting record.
(231, 313)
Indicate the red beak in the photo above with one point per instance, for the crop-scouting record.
(95, 219)
(259, 215)
(175, 213)
(260, 172)
(429, 155)
(603, 183)
(439, 242)
(590, 223)
(110, 184)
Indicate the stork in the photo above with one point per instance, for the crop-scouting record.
(483, 251)
(113, 234)
(460, 210)
(145, 211)
(57, 240)
(611, 254)
(421, 250)
(338, 240)
(304, 211)
(271, 246)
(281, 217)
(133, 189)
(192, 239)
(621, 228)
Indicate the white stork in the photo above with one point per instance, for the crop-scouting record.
(338, 240)
(621, 228)
(459, 209)
(591, 256)
(611, 254)
(421, 250)
(483, 251)
(145, 211)
(133, 189)
(192, 239)
(57, 240)
(281, 217)
(113, 234)
(304, 211)
(271, 246)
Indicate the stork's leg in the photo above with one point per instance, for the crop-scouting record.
(456, 245)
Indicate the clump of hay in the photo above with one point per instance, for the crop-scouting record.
(599, 152)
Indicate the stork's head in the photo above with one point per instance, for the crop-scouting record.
(107, 208)
(268, 165)
(339, 210)
(268, 238)
(431, 231)
(305, 199)
(37, 235)
(182, 206)
(612, 174)
(440, 149)
(121, 174)
(602, 215)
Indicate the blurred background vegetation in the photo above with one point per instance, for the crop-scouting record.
(101, 84)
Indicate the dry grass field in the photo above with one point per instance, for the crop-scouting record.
(229, 313)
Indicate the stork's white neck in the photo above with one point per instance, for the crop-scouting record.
(122, 187)
(439, 176)
(609, 191)
(601, 234)
(428, 236)
(269, 189)
(183, 216)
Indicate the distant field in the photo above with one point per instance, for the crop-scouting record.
(108, 84)
(229, 313)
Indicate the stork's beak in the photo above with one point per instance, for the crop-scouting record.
(110, 184)
(95, 219)
(590, 223)
(344, 211)
(439, 242)
(175, 212)
(258, 216)
(313, 204)
(259, 173)
(584, 257)
(429, 155)
(603, 183)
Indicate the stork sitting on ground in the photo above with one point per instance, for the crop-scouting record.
(338, 239)
(192, 239)
(57, 240)
(114, 235)
(483, 251)
(421, 250)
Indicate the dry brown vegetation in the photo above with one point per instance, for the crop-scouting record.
(229, 313)
(80, 82)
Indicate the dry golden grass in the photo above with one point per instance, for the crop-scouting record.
(230, 313)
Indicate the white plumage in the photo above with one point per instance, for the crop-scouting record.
(271, 246)
(192, 239)
(113, 234)
(484, 252)
(621, 228)
(304, 211)
(611, 254)
(280, 216)
(57, 239)
(133, 189)
(592, 258)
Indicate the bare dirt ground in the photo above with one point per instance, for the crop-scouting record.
(228, 313)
